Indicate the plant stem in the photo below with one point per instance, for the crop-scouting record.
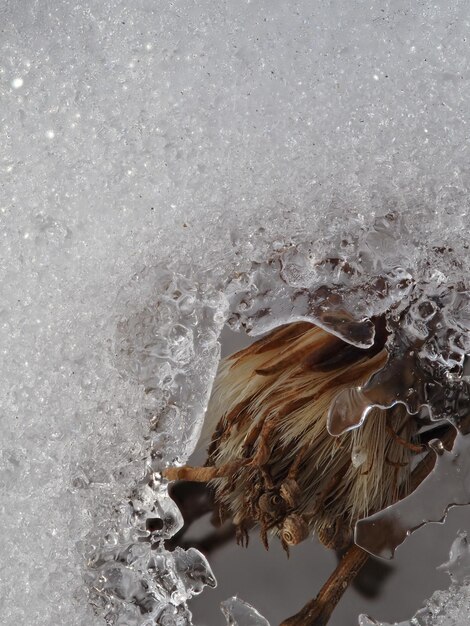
(317, 612)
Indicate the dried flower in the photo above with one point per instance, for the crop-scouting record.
(271, 460)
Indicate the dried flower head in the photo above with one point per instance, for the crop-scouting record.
(271, 460)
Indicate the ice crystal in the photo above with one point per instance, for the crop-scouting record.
(239, 613)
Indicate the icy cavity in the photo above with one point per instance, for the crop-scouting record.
(154, 160)
(444, 608)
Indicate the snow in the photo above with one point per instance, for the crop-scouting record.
(160, 164)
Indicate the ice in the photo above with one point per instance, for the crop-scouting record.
(458, 565)
(168, 167)
(428, 348)
(240, 613)
(444, 608)
(447, 485)
(328, 294)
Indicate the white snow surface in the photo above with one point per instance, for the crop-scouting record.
(154, 154)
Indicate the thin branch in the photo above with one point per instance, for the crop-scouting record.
(318, 611)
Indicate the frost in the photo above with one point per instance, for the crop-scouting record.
(444, 608)
(167, 168)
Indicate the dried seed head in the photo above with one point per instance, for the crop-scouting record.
(336, 536)
(264, 503)
(290, 492)
(272, 504)
(294, 530)
(271, 459)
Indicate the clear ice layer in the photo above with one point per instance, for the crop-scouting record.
(240, 613)
(444, 608)
(166, 169)
(428, 360)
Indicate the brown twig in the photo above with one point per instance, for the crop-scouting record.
(317, 612)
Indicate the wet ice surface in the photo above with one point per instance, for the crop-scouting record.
(165, 169)
(444, 608)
